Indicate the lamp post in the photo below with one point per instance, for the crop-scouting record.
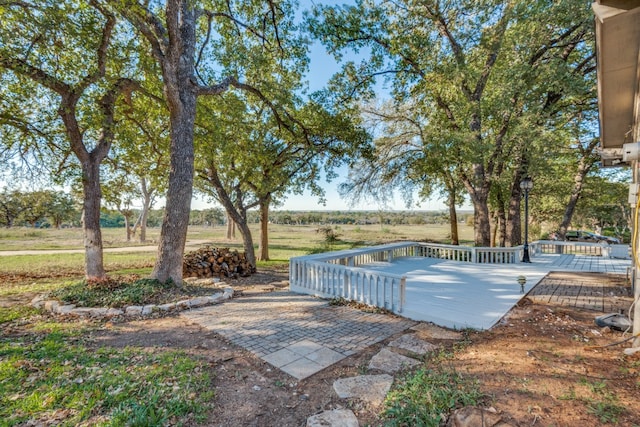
(526, 185)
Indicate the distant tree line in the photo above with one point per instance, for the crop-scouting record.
(57, 209)
(42, 208)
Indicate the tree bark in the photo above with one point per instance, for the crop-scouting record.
(231, 228)
(263, 247)
(148, 195)
(501, 226)
(453, 218)
(479, 199)
(481, 223)
(93, 260)
(127, 226)
(173, 235)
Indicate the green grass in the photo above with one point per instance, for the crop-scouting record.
(61, 264)
(57, 376)
(426, 397)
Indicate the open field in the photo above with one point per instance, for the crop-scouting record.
(287, 236)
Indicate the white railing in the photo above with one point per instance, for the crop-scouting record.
(328, 280)
(339, 275)
(469, 254)
(576, 248)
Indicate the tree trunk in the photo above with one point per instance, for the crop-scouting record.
(494, 230)
(127, 226)
(181, 93)
(94, 265)
(514, 224)
(578, 183)
(453, 218)
(247, 242)
(231, 228)
(481, 224)
(481, 217)
(146, 207)
(502, 222)
(263, 249)
(173, 235)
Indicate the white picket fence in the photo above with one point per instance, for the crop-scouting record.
(339, 274)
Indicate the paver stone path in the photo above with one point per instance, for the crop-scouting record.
(298, 334)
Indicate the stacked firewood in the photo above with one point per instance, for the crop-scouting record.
(216, 262)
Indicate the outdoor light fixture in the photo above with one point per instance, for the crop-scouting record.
(526, 185)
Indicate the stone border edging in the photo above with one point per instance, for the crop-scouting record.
(56, 307)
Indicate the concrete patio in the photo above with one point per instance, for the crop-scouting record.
(464, 295)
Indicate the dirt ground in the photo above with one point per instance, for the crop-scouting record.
(543, 365)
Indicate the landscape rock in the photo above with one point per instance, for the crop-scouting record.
(215, 298)
(64, 309)
(98, 312)
(167, 307)
(369, 388)
(51, 305)
(37, 301)
(133, 310)
(413, 344)
(198, 302)
(389, 361)
(57, 307)
(81, 311)
(112, 312)
(470, 416)
(334, 418)
(148, 309)
(182, 304)
(202, 280)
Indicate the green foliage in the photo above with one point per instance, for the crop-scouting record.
(42, 375)
(426, 397)
(603, 403)
(113, 292)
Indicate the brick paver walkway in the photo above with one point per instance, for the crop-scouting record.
(299, 334)
(606, 293)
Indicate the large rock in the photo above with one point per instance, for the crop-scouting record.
(413, 344)
(369, 388)
(389, 361)
(334, 418)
